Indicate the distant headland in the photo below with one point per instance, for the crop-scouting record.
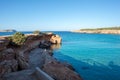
(107, 30)
(8, 30)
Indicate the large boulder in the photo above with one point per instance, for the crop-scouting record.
(55, 39)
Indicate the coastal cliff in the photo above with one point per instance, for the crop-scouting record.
(21, 60)
(111, 30)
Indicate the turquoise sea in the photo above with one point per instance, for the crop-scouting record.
(94, 56)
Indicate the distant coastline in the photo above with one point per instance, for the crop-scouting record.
(108, 30)
(8, 30)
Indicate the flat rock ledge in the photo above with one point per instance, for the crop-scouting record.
(33, 60)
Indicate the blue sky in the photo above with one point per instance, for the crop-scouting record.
(51, 15)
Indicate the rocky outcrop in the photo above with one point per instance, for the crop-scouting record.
(22, 59)
(8, 63)
(35, 52)
(55, 39)
(7, 54)
(10, 54)
(44, 44)
(3, 43)
(8, 66)
(57, 70)
(60, 72)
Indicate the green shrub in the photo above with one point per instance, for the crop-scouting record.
(18, 38)
(9, 38)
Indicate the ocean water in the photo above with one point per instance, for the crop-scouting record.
(94, 56)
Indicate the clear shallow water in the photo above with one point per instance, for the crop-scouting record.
(94, 56)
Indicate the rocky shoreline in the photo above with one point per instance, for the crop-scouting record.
(21, 61)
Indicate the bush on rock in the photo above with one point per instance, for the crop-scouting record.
(18, 38)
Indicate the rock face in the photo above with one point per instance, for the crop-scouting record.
(57, 70)
(7, 61)
(3, 43)
(22, 59)
(7, 54)
(44, 44)
(60, 72)
(55, 39)
(8, 66)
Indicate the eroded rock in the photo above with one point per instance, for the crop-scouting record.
(44, 44)
(3, 43)
(7, 54)
(60, 72)
(22, 60)
(8, 66)
(55, 39)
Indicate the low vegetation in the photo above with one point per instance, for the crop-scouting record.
(18, 38)
(107, 28)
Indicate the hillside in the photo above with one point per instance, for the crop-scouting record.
(107, 30)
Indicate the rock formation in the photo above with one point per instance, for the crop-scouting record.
(8, 63)
(59, 71)
(3, 43)
(55, 39)
(35, 52)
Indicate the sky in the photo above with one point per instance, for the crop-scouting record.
(58, 15)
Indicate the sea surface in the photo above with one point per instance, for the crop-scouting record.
(94, 56)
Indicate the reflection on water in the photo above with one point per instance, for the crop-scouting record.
(55, 46)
